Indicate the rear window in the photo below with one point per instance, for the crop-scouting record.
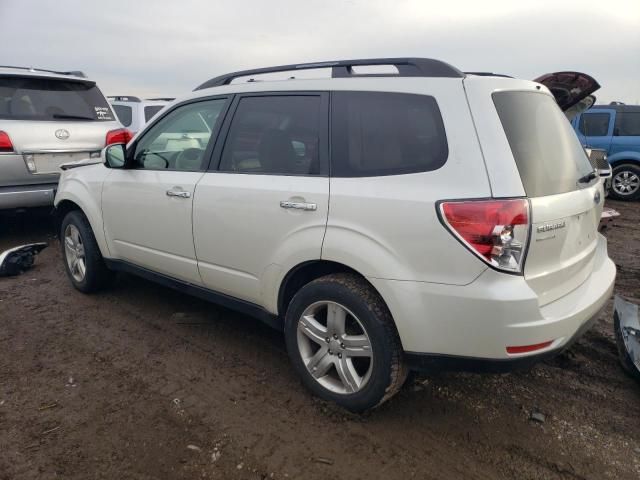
(546, 149)
(124, 113)
(48, 99)
(151, 110)
(377, 133)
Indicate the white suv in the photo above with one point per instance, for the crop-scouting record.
(134, 112)
(419, 219)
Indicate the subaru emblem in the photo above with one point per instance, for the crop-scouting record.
(62, 134)
(596, 197)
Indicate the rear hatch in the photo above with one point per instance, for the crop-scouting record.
(53, 121)
(565, 196)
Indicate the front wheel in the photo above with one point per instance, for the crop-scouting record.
(625, 182)
(83, 261)
(342, 341)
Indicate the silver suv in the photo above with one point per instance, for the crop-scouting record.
(48, 118)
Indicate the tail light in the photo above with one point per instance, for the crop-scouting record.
(497, 231)
(121, 135)
(5, 143)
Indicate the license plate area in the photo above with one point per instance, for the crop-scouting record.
(49, 163)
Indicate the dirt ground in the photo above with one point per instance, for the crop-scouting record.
(143, 382)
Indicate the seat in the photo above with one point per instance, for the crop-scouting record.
(276, 152)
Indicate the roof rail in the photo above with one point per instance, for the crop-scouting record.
(161, 99)
(407, 67)
(75, 73)
(124, 98)
(488, 74)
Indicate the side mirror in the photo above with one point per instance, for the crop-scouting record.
(113, 156)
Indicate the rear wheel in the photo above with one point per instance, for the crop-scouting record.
(83, 261)
(625, 182)
(342, 341)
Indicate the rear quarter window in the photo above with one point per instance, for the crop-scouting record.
(547, 152)
(124, 113)
(379, 133)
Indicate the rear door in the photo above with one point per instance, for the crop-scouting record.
(264, 209)
(529, 132)
(626, 132)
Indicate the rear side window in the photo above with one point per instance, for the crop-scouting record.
(124, 113)
(23, 98)
(376, 133)
(546, 149)
(594, 124)
(275, 135)
(628, 124)
(150, 111)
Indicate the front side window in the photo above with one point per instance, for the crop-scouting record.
(594, 124)
(178, 141)
(376, 133)
(274, 135)
(628, 124)
(47, 99)
(124, 113)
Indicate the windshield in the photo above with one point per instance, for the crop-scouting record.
(547, 151)
(23, 98)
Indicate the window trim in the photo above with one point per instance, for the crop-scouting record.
(411, 171)
(215, 133)
(323, 142)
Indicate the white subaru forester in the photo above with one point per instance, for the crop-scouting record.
(407, 217)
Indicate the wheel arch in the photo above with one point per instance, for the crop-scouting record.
(68, 203)
(620, 158)
(306, 272)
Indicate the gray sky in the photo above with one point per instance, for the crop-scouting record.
(155, 47)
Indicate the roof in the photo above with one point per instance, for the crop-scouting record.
(617, 108)
(407, 67)
(41, 72)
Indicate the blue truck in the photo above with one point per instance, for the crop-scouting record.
(615, 129)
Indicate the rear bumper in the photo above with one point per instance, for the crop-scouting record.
(465, 326)
(26, 196)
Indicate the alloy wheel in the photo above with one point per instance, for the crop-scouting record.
(335, 347)
(74, 252)
(625, 183)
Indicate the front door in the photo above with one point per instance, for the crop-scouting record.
(265, 208)
(147, 207)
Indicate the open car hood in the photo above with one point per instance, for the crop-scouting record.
(572, 89)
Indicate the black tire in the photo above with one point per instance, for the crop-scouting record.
(387, 371)
(632, 170)
(625, 360)
(97, 275)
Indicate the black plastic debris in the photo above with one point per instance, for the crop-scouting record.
(627, 329)
(18, 259)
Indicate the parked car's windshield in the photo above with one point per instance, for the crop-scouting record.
(24, 98)
(547, 151)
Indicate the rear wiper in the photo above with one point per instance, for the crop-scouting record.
(588, 177)
(71, 117)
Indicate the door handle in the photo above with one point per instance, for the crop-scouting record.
(178, 193)
(299, 205)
